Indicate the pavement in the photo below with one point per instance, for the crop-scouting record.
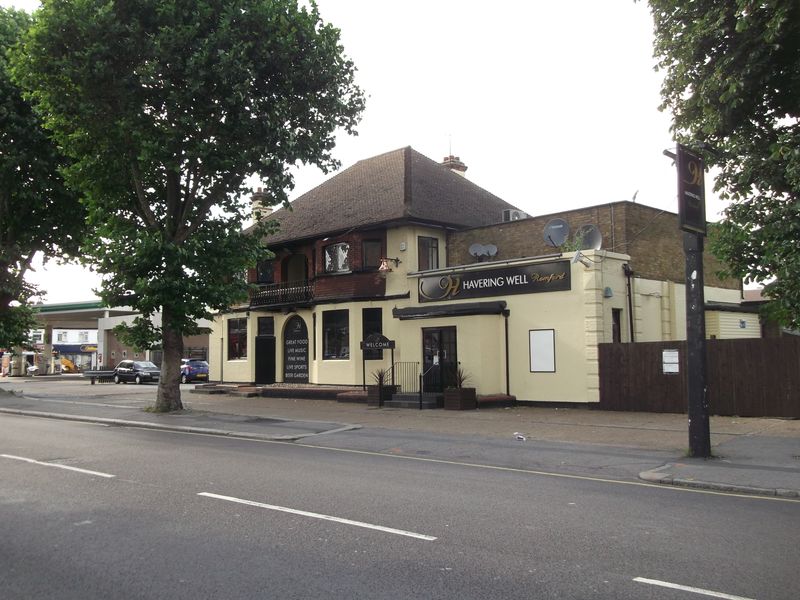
(750, 455)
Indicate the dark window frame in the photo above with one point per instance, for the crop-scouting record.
(266, 326)
(237, 338)
(427, 249)
(368, 327)
(336, 265)
(336, 334)
(265, 272)
(366, 255)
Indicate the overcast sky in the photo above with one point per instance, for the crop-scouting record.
(551, 105)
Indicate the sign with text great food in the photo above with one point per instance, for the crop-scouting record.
(527, 279)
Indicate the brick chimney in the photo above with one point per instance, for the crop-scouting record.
(258, 203)
(454, 164)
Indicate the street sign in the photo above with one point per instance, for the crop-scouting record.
(691, 191)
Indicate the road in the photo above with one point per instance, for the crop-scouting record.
(152, 514)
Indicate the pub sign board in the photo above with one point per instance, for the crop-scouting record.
(526, 279)
(295, 351)
(691, 191)
(376, 341)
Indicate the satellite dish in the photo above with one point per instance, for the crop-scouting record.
(477, 250)
(590, 237)
(556, 232)
(491, 249)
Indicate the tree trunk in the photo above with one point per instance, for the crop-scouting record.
(169, 389)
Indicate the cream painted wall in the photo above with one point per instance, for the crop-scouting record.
(581, 318)
(396, 282)
(660, 308)
(236, 371)
(728, 325)
(480, 347)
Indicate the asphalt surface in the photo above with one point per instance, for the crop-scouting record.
(91, 510)
(751, 456)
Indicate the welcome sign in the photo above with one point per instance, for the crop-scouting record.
(528, 279)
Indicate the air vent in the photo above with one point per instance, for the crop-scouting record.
(513, 215)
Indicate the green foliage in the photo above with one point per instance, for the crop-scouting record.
(16, 323)
(461, 377)
(379, 376)
(37, 213)
(165, 108)
(732, 83)
(141, 335)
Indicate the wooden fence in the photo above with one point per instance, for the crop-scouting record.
(746, 378)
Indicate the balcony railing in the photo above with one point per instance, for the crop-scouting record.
(276, 294)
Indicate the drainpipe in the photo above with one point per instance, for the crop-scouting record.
(626, 268)
(508, 372)
(221, 357)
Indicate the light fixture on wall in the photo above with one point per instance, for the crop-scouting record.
(581, 259)
(384, 267)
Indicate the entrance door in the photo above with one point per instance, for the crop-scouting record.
(439, 357)
(265, 359)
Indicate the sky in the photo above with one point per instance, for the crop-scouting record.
(551, 105)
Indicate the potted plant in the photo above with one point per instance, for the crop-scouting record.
(380, 392)
(458, 396)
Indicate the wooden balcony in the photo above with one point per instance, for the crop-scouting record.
(281, 294)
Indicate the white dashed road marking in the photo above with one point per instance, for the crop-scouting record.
(57, 466)
(687, 588)
(304, 513)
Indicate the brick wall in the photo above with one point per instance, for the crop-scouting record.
(352, 285)
(649, 235)
(117, 348)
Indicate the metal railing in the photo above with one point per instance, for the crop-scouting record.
(405, 375)
(289, 292)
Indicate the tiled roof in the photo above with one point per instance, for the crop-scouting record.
(392, 187)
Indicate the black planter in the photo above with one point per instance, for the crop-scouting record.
(377, 395)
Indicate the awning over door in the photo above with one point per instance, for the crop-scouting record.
(465, 309)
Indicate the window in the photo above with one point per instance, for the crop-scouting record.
(371, 254)
(83, 336)
(428, 250)
(237, 339)
(335, 334)
(616, 325)
(37, 337)
(266, 325)
(265, 272)
(337, 258)
(61, 336)
(372, 322)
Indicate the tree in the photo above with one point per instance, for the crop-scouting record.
(732, 82)
(166, 107)
(37, 212)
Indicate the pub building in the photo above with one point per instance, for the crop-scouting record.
(404, 248)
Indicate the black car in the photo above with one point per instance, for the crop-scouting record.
(140, 371)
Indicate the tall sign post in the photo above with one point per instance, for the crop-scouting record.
(692, 219)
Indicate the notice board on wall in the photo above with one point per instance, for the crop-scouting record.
(543, 350)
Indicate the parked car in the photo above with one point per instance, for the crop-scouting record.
(140, 371)
(193, 369)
